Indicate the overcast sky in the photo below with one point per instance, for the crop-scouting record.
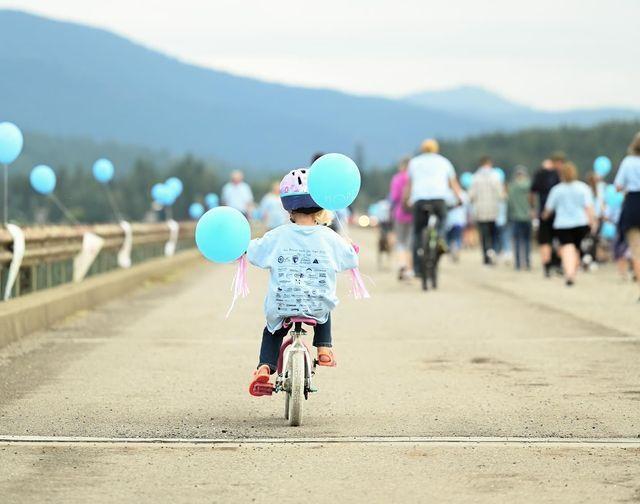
(553, 54)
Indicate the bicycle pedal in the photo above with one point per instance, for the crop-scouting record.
(262, 389)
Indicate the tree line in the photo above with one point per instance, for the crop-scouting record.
(87, 201)
(527, 147)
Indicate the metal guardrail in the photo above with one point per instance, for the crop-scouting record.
(50, 250)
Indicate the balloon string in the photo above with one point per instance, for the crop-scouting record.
(112, 203)
(240, 284)
(65, 211)
(358, 288)
(6, 194)
(342, 226)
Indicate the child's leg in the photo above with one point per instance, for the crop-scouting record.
(270, 348)
(322, 334)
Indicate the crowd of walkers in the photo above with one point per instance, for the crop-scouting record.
(576, 224)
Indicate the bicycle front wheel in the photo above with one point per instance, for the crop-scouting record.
(296, 396)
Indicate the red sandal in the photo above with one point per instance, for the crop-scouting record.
(260, 385)
(326, 358)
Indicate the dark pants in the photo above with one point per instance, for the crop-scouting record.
(271, 342)
(422, 210)
(488, 238)
(522, 244)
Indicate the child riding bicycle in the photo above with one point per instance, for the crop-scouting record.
(303, 258)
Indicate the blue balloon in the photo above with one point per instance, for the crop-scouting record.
(43, 179)
(103, 170)
(612, 197)
(211, 200)
(602, 166)
(608, 230)
(156, 192)
(196, 210)
(162, 194)
(500, 173)
(175, 185)
(466, 179)
(334, 181)
(223, 234)
(11, 142)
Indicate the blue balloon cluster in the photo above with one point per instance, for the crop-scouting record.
(196, 210)
(43, 179)
(466, 179)
(602, 166)
(334, 181)
(103, 170)
(166, 193)
(223, 234)
(11, 142)
(211, 200)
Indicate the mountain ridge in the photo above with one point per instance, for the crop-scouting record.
(71, 80)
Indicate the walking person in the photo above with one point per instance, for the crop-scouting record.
(628, 180)
(571, 203)
(486, 193)
(272, 212)
(402, 219)
(543, 181)
(237, 194)
(520, 217)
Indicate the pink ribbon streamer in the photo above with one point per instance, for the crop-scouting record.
(240, 284)
(358, 289)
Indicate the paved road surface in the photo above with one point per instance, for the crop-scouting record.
(430, 390)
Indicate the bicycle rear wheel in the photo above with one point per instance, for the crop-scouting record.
(296, 395)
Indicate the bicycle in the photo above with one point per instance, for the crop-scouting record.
(429, 253)
(296, 368)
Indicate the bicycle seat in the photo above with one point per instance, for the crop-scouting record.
(302, 320)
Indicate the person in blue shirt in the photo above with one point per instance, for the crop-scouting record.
(572, 202)
(628, 181)
(272, 212)
(303, 258)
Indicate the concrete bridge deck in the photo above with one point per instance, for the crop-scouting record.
(500, 387)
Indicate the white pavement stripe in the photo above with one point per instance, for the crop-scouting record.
(328, 440)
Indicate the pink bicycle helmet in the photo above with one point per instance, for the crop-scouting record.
(294, 192)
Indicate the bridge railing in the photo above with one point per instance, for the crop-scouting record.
(50, 251)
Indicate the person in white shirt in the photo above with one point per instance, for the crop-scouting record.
(237, 193)
(431, 178)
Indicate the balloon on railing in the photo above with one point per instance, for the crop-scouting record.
(602, 166)
(608, 231)
(163, 195)
(500, 173)
(11, 142)
(175, 186)
(103, 170)
(43, 179)
(211, 200)
(334, 181)
(466, 179)
(196, 210)
(223, 234)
